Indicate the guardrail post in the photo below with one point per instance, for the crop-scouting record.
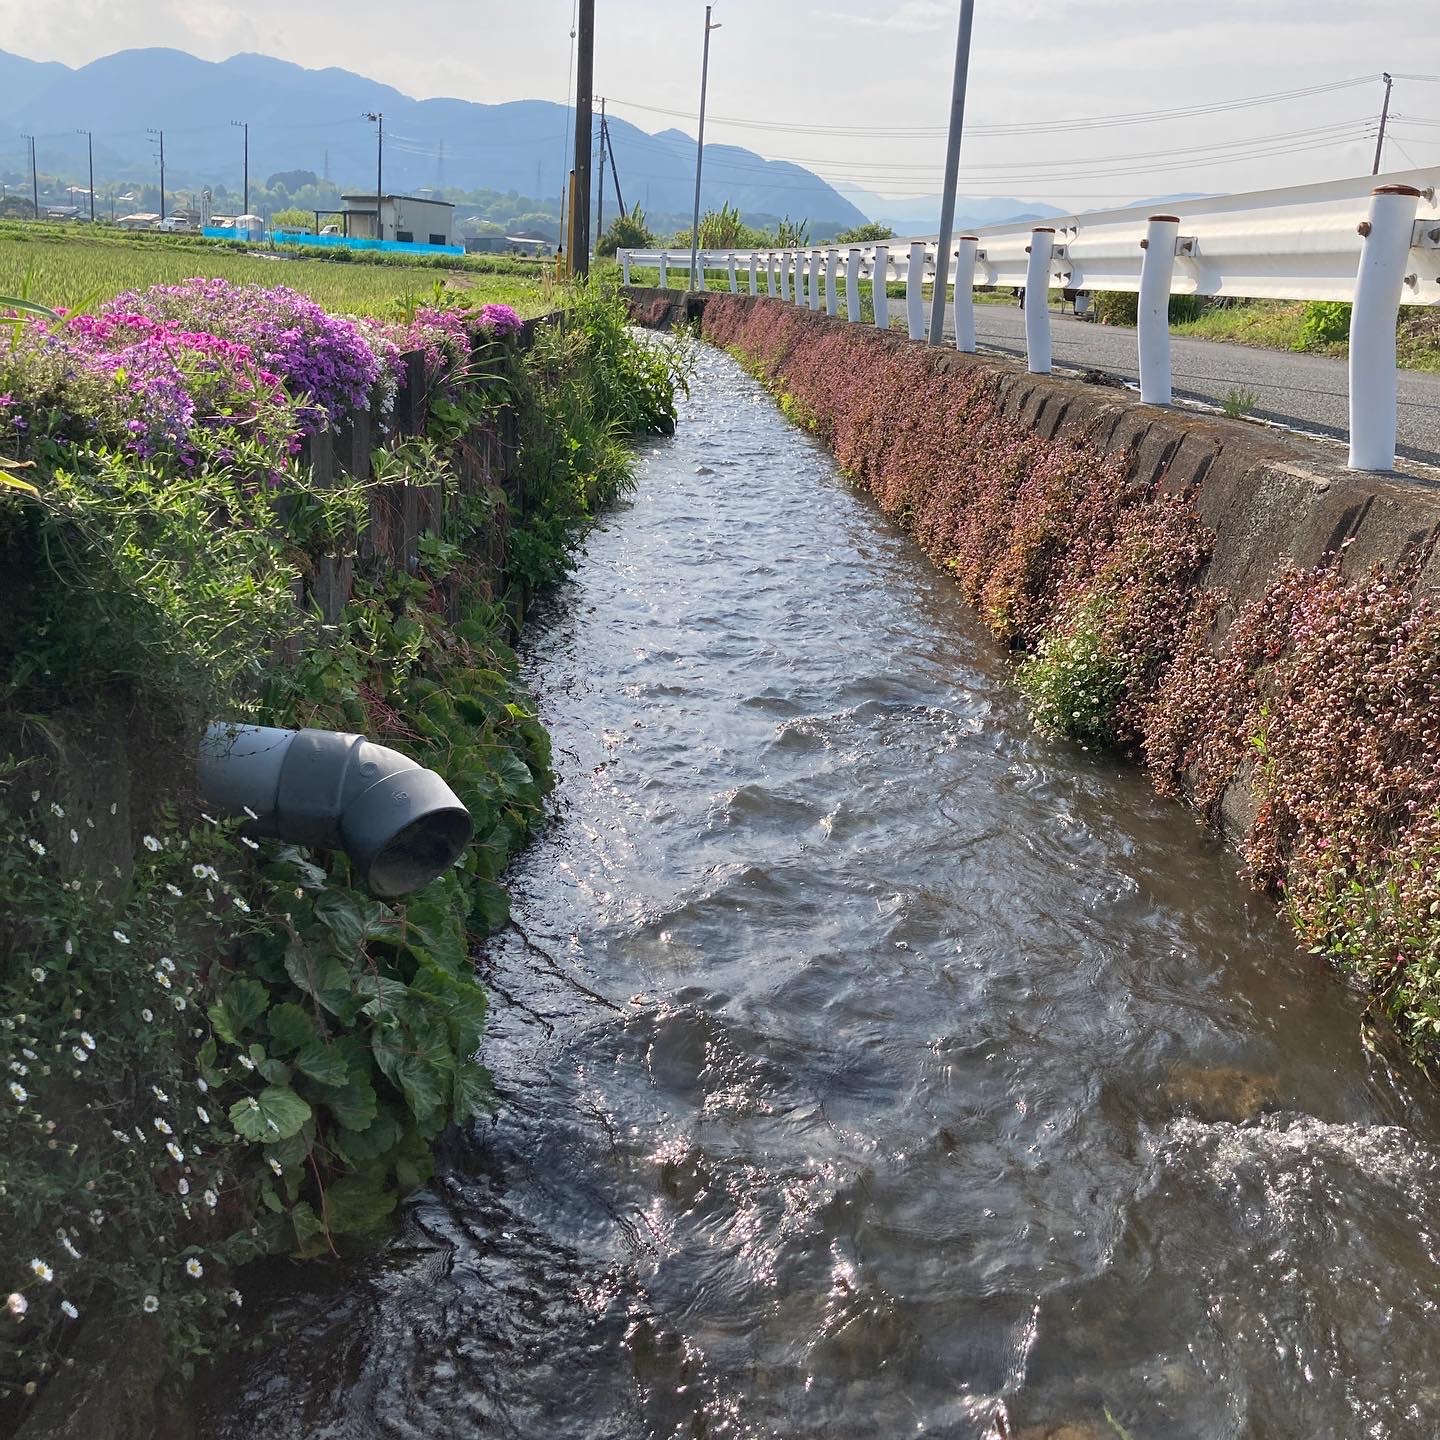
(814, 279)
(1157, 267)
(832, 268)
(770, 267)
(730, 271)
(664, 272)
(784, 271)
(625, 267)
(697, 280)
(852, 285)
(1379, 284)
(965, 294)
(1037, 300)
(800, 279)
(754, 274)
(915, 290)
(879, 280)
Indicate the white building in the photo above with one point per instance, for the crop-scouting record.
(410, 219)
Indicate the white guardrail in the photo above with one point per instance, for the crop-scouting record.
(1373, 241)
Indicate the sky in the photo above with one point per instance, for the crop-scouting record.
(859, 91)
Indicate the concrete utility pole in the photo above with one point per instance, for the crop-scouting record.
(379, 120)
(952, 172)
(151, 131)
(245, 126)
(34, 176)
(584, 140)
(600, 187)
(1384, 116)
(90, 146)
(700, 147)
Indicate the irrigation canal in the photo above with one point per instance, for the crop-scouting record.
(870, 1066)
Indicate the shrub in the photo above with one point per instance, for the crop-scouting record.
(626, 232)
(1324, 323)
(302, 221)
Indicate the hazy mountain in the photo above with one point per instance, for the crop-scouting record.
(922, 216)
(311, 119)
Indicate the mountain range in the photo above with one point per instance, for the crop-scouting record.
(303, 119)
(313, 119)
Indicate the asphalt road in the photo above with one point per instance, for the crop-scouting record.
(1308, 392)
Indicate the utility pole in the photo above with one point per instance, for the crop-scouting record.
(34, 176)
(1384, 116)
(90, 146)
(614, 171)
(245, 126)
(379, 120)
(161, 134)
(700, 147)
(600, 188)
(952, 173)
(584, 86)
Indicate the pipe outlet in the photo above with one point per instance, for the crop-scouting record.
(401, 825)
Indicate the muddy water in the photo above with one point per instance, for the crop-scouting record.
(869, 1065)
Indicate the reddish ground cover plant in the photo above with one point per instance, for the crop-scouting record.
(1312, 720)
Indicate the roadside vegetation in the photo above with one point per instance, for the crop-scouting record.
(214, 1047)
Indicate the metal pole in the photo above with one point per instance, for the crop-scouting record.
(1379, 289)
(952, 171)
(1152, 308)
(1384, 116)
(151, 130)
(700, 146)
(34, 176)
(90, 150)
(245, 126)
(584, 139)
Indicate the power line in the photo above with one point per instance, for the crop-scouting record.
(1134, 117)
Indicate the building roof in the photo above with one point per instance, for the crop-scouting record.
(418, 199)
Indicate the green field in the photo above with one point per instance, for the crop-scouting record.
(70, 266)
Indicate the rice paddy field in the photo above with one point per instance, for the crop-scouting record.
(71, 266)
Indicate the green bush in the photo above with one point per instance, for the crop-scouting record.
(1324, 323)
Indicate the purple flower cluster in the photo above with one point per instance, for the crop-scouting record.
(498, 321)
(325, 360)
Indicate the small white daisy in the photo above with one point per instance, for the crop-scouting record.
(175, 1152)
(147, 1015)
(246, 840)
(234, 1298)
(175, 890)
(74, 836)
(166, 964)
(69, 1309)
(159, 1094)
(37, 975)
(179, 1002)
(151, 843)
(149, 1304)
(40, 1268)
(161, 1126)
(202, 1087)
(87, 1039)
(18, 1093)
(183, 1186)
(276, 1166)
(203, 1113)
(57, 811)
(69, 1246)
(16, 1304)
(211, 1199)
(121, 936)
(80, 1055)
(36, 846)
(193, 1268)
(241, 906)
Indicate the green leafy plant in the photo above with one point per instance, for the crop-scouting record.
(1238, 402)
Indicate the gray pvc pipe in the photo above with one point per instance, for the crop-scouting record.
(401, 825)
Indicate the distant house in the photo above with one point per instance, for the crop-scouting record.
(138, 222)
(409, 219)
(61, 212)
(527, 245)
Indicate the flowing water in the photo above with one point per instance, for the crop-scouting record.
(871, 1066)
